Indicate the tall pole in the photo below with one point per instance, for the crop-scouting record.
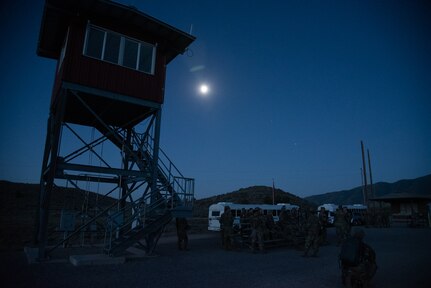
(362, 184)
(371, 175)
(365, 175)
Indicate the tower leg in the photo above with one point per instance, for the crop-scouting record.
(48, 174)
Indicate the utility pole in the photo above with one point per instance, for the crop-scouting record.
(273, 192)
(371, 175)
(365, 175)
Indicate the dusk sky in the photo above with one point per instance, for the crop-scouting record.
(294, 87)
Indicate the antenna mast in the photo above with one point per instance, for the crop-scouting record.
(371, 175)
(365, 175)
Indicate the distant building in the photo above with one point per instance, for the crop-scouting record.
(407, 208)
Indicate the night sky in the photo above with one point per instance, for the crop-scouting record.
(294, 86)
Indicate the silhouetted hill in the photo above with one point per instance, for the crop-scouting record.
(19, 205)
(250, 195)
(421, 186)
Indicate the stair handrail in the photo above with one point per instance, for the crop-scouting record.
(145, 143)
(127, 225)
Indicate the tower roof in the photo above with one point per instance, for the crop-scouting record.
(58, 14)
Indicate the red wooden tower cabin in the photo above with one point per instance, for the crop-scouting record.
(110, 77)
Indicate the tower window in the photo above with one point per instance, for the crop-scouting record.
(95, 39)
(112, 48)
(130, 54)
(146, 57)
(119, 49)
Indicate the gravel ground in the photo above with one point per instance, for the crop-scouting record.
(403, 257)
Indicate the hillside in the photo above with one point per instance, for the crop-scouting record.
(421, 186)
(19, 205)
(250, 195)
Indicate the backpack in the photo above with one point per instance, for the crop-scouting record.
(350, 252)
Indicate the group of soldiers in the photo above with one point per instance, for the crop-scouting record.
(299, 227)
(296, 227)
(377, 218)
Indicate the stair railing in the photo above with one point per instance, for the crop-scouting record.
(134, 215)
(176, 183)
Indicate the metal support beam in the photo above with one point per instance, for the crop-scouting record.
(156, 146)
(49, 164)
(143, 165)
(110, 95)
(95, 169)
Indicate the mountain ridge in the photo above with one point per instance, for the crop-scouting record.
(417, 186)
(263, 195)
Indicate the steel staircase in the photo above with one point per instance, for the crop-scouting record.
(151, 196)
(145, 217)
(143, 222)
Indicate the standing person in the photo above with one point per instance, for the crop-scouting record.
(323, 219)
(347, 224)
(313, 240)
(183, 239)
(358, 261)
(226, 225)
(338, 222)
(270, 228)
(257, 230)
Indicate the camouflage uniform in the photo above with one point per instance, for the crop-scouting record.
(323, 219)
(257, 230)
(270, 226)
(226, 225)
(367, 267)
(313, 240)
(347, 225)
(183, 239)
(283, 223)
(341, 225)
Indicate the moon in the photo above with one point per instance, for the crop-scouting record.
(204, 89)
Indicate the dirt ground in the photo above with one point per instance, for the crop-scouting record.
(403, 258)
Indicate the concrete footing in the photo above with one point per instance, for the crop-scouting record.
(95, 259)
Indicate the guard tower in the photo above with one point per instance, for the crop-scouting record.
(109, 82)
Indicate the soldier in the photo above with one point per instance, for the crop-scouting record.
(338, 223)
(257, 230)
(292, 229)
(323, 219)
(226, 225)
(183, 239)
(313, 239)
(270, 228)
(364, 267)
(283, 216)
(283, 223)
(347, 224)
(342, 224)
